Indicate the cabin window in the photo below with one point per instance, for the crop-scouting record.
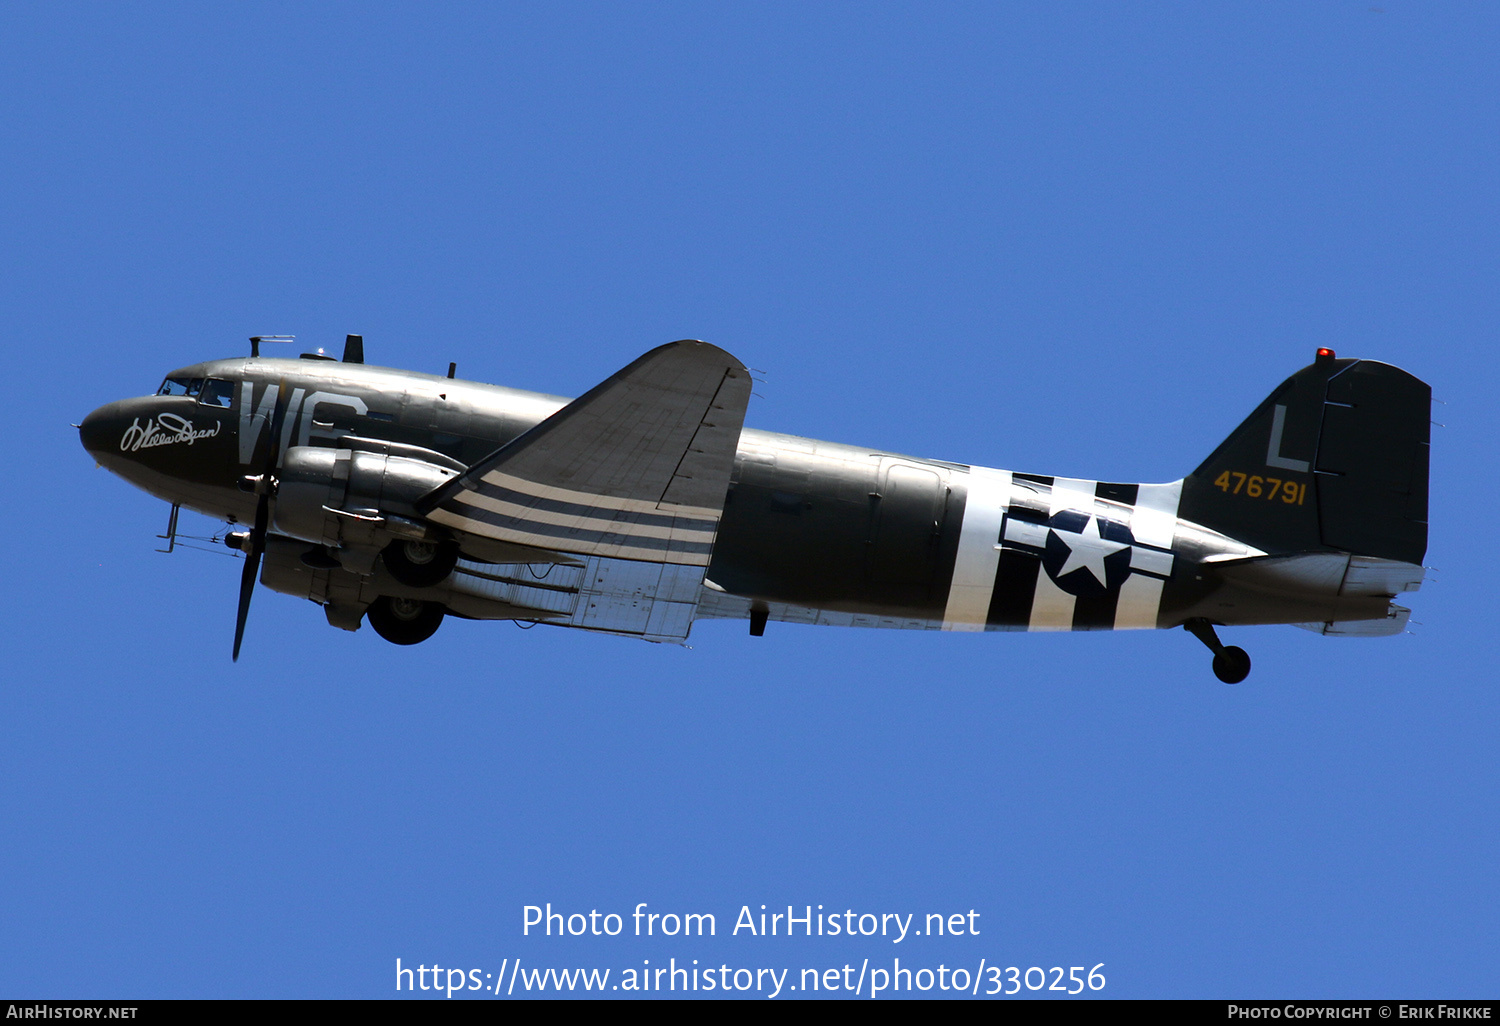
(217, 393)
(180, 386)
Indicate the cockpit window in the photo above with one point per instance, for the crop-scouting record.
(180, 386)
(217, 393)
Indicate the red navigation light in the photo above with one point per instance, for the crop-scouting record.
(1325, 354)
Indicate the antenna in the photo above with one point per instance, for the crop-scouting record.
(354, 349)
(256, 340)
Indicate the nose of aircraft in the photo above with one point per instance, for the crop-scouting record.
(100, 430)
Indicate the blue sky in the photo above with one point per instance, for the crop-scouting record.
(1082, 239)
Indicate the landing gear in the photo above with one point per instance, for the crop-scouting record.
(1231, 663)
(420, 564)
(405, 621)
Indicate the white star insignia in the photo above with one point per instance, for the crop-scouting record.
(1086, 550)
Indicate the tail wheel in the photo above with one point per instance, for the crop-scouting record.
(405, 621)
(1232, 664)
(421, 564)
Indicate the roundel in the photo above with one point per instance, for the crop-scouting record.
(1087, 555)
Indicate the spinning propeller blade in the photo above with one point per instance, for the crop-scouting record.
(257, 540)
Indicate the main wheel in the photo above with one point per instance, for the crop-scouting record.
(419, 564)
(1232, 664)
(404, 621)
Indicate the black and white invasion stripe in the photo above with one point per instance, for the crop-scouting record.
(1052, 553)
(500, 505)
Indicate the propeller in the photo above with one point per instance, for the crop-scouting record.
(255, 544)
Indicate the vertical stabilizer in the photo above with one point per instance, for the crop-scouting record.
(1335, 458)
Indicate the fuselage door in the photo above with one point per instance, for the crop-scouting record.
(907, 522)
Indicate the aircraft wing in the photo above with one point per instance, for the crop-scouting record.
(637, 468)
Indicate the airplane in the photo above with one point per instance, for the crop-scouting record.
(401, 498)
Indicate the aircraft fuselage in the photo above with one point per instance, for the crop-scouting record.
(810, 531)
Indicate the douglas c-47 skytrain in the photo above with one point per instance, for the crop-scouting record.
(646, 504)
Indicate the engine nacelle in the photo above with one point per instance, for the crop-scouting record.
(356, 500)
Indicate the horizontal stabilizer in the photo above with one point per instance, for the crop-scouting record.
(637, 468)
(1323, 573)
(1394, 622)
